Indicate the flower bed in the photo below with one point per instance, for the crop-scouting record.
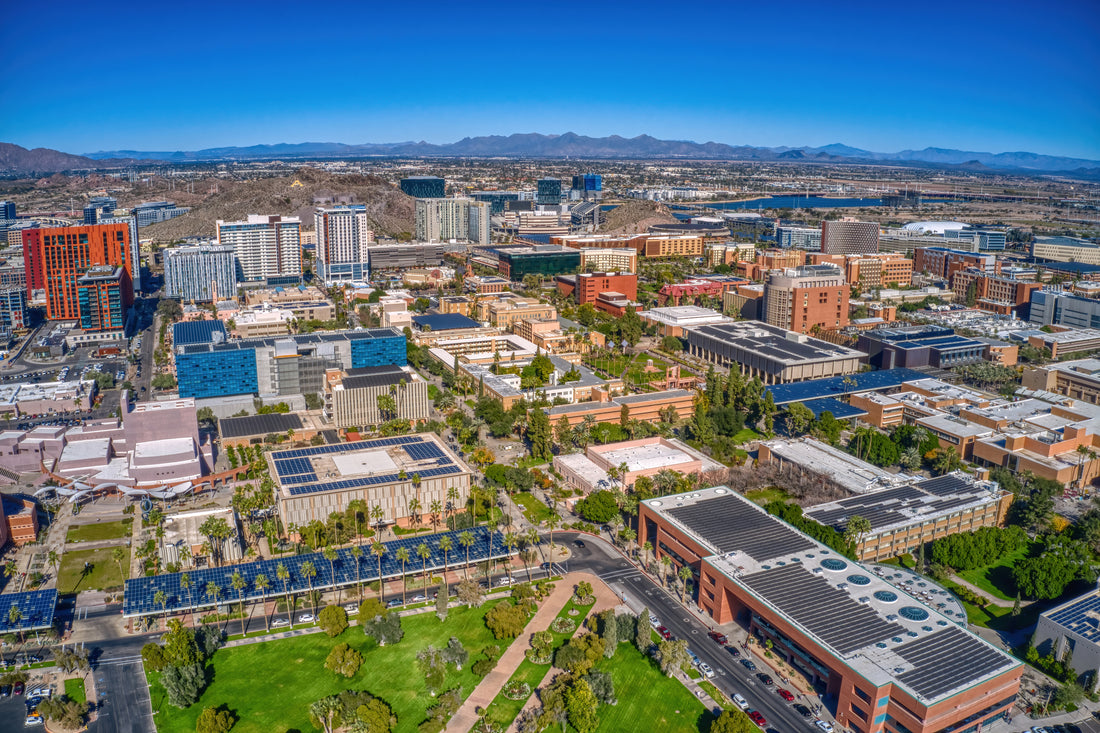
(563, 625)
(517, 690)
(585, 601)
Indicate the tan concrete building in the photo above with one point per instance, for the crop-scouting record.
(608, 259)
(352, 397)
(1077, 379)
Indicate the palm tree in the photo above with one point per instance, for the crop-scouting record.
(685, 575)
(452, 500)
(53, 560)
(185, 555)
(160, 598)
(213, 590)
(378, 550)
(239, 584)
(284, 575)
(376, 514)
(357, 553)
(647, 547)
(437, 511)
(414, 511)
(628, 535)
(511, 540)
(118, 555)
(1082, 452)
(493, 524)
(466, 539)
(14, 617)
(446, 544)
(424, 552)
(309, 572)
(329, 553)
(262, 584)
(666, 563)
(186, 583)
(402, 554)
(553, 522)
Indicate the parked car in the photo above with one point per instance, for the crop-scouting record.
(33, 719)
(419, 598)
(306, 618)
(825, 726)
(654, 621)
(664, 632)
(734, 652)
(5, 691)
(351, 608)
(765, 679)
(802, 710)
(505, 581)
(720, 638)
(785, 694)
(706, 670)
(740, 702)
(394, 603)
(279, 623)
(757, 718)
(18, 689)
(748, 664)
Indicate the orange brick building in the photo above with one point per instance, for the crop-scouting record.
(62, 255)
(801, 298)
(884, 660)
(19, 521)
(1001, 295)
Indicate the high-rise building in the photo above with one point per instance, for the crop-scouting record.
(799, 238)
(424, 187)
(497, 200)
(135, 244)
(943, 262)
(343, 235)
(1052, 307)
(800, 298)
(549, 192)
(268, 248)
(100, 292)
(441, 220)
(849, 237)
(13, 310)
(154, 212)
(202, 273)
(56, 258)
(588, 186)
(982, 240)
(99, 207)
(7, 209)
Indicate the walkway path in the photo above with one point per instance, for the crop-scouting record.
(986, 595)
(494, 682)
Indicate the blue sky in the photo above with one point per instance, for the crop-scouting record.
(883, 76)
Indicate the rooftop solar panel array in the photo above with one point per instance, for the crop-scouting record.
(728, 524)
(1078, 616)
(850, 384)
(947, 659)
(239, 427)
(141, 592)
(827, 612)
(839, 410)
(36, 609)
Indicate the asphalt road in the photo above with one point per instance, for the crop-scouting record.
(598, 558)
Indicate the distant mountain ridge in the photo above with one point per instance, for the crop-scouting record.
(14, 159)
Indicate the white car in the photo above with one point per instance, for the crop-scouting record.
(351, 608)
(418, 598)
(654, 621)
(306, 618)
(740, 702)
(706, 670)
(506, 580)
(33, 719)
(279, 622)
(826, 727)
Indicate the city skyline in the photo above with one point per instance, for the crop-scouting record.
(872, 77)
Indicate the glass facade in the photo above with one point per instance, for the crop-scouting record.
(217, 373)
(424, 187)
(549, 192)
(540, 263)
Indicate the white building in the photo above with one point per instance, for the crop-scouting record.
(267, 247)
(343, 237)
(203, 273)
(441, 220)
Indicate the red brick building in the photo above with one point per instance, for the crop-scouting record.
(60, 256)
(801, 298)
(943, 262)
(884, 660)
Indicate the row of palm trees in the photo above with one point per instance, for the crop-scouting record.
(308, 570)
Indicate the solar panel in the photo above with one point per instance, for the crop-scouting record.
(827, 612)
(140, 595)
(36, 610)
(948, 659)
(729, 524)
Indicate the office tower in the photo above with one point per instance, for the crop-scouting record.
(799, 238)
(440, 220)
(588, 186)
(13, 309)
(549, 192)
(203, 273)
(7, 209)
(268, 248)
(100, 292)
(56, 258)
(497, 200)
(99, 207)
(153, 212)
(800, 298)
(849, 237)
(135, 244)
(343, 235)
(424, 187)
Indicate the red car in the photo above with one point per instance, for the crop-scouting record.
(664, 632)
(720, 638)
(786, 695)
(757, 718)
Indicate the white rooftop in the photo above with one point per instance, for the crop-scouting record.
(647, 457)
(847, 471)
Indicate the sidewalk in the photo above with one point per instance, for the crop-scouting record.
(1000, 602)
(494, 682)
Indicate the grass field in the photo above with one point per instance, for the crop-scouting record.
(996, 579)
(535, 510)
(102, 531)
(74, 689)
(745, 435)
(104, 570)
(249, 679)
(763, 496)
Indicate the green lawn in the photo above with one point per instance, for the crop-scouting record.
(74, 689)
(613, 365)
(103, 531)
(997, 579)
(291, 671)
(763, 496)
(745, 435)
(535, 510)
(647, 699)
(103, 574)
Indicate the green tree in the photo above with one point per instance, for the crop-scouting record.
(344, 660)
(598, 507)
(856, 528)
(581, 707)
(642, 637)
(671, 655)
(333, 620)
(733, 721)
(212, 720)
(798, 418)
(539, 434)
(506, 620)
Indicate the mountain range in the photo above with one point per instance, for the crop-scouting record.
(14, 159)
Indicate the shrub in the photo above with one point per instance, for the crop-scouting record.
(333, 620)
